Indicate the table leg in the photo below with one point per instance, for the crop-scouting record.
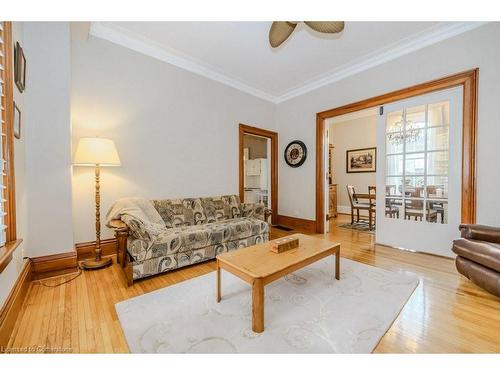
(258, 305)
(218, 283)
(337, 265)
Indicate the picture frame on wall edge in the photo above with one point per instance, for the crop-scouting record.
(19, 68)
(361, 160)
(17, 121)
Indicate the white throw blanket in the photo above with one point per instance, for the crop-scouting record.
(140, 216)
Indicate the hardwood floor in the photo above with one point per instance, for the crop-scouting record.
(446, 313)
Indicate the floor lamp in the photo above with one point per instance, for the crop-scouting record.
(96, 152)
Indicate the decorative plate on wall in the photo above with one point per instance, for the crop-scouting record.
(295, 153)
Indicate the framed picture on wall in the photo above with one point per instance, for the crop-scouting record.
(19, 68)
(362, 160)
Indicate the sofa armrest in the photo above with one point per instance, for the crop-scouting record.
(480, 232)
(118, 225)
(255, 210)
(267, 212)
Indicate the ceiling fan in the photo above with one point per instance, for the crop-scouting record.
(281, 30)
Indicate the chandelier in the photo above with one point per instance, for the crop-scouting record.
(410, 135)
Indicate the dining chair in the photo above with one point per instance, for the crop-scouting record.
(415, 207)
(438, 206)
(391, 209)
(356, 205)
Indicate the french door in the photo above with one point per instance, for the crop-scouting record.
(419, 172)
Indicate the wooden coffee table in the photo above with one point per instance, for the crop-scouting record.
(259, 266)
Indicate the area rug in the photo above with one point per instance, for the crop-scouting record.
(308, 311)
(361, 226)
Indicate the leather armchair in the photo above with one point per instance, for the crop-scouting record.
(478, 256)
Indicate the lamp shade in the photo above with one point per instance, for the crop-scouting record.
(93, 151)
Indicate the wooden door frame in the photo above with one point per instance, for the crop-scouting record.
(251, 130)
(469, 81)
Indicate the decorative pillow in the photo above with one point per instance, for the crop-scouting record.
(180, 212)
(233, 202)
(215, 209)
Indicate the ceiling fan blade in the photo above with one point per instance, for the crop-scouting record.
(280, 31)
(330, 27)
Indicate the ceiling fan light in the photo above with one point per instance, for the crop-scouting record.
(280, 31)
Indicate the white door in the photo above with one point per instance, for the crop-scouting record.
(419, 164)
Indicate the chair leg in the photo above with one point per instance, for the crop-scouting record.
(352, 216)
(370, 220)
(357, 213)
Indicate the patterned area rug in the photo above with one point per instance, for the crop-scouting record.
(361, 226)
(305, 312)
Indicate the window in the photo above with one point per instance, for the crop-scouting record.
(417, 155)
(7, 192)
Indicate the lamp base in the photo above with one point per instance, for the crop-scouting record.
(93, 264)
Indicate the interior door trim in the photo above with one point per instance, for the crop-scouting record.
(247, 129)
(469, 81)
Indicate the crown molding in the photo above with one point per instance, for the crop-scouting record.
(127, 39)
(408, 45)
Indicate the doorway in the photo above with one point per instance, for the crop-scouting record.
(352, 141)
(258, 167)
(466, 84)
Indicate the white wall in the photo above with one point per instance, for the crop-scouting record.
(9, 275)
(153, 110)
(350, 135)
(176, 132)
(296, 118)
(47, 119)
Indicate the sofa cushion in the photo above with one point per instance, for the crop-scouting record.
(221, 208)
(188, 238)
(180, 212)
(197, 211)
(484, 253)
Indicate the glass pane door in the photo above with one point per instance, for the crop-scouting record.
(417, 155)
(420, 148)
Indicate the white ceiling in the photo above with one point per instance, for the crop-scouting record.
(239, 54)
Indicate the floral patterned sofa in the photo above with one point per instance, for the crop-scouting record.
(195, 230)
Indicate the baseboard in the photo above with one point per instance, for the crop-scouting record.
(13, 304)
(54, 265)
(85, 250)
(298, 224)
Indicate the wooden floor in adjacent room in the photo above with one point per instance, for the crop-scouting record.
(446, 313)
